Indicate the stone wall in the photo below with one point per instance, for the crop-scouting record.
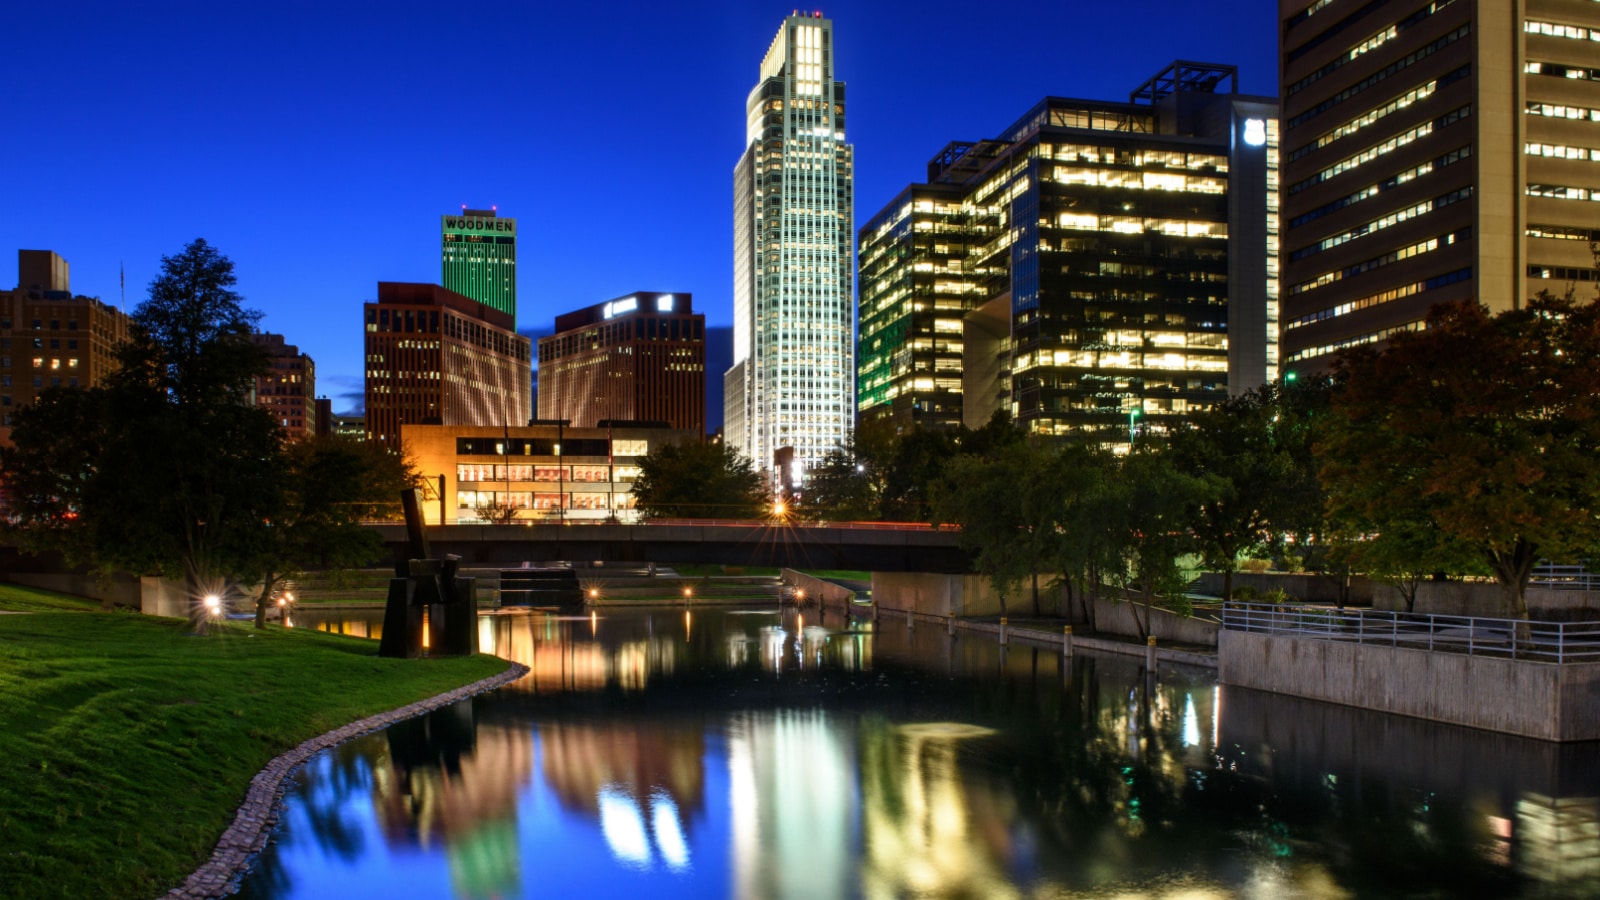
(1481, 598)
(826, 593)
(1540, 700)
(1118, 618)
(937, 594)
(1304, 587)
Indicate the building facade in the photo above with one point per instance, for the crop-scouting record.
(436, 357)
(1099, 263)
(288, 390)
(50, 337)
(479, 250)
(1433, 152)
(545, 472)
(639, 357)
(792, 384)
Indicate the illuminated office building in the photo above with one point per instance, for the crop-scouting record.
(1098, 262)
(50, 337)
(1433, 151)
(641, 357)
(288, 389)
(435, 357)
(791, 384)
(479, 249)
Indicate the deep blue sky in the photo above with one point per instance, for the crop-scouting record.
(318, 144)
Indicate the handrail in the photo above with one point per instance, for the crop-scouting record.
(1520, 639)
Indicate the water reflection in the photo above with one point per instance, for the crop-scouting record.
(758, 754)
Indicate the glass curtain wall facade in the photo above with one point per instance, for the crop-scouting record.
(792, 382)
(479, 249)
(1108, 252)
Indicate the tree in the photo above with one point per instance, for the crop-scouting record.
(1480, 430)
(1254, 448)
(165, 468)
(330, 486)
(1151, 509)
(841, 488)
(1083, 545)
(699, 479)
(1010, 531)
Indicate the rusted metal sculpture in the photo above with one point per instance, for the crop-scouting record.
(432, 587)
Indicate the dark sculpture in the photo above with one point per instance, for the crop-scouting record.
(451, 601)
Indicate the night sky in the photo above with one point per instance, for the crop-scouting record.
(317, 145)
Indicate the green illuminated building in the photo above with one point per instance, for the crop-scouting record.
(479, 250)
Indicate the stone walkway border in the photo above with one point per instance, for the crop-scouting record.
(248, 834)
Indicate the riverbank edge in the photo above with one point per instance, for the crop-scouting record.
(236, 850)
(1045, 639)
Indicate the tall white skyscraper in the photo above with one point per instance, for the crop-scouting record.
(792, 383)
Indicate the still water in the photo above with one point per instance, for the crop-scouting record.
(766, 754)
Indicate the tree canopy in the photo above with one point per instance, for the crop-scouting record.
(699, 479)
(1479, 431)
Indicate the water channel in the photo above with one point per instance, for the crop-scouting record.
(753, 753)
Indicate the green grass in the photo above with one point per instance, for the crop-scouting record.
(128, 744)
(841, 574)
(16, 598)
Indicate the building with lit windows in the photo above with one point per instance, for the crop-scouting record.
(1433, 151)
(479, 249)
(638, 357)
(50, 337)
(1098, 262)
(791, 386)
(288, 390)
(539, 472)
(435, 357)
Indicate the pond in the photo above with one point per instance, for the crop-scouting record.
(758, 753)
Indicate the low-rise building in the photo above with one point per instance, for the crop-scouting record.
(546, 472)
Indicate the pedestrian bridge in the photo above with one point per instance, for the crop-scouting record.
(866, 546)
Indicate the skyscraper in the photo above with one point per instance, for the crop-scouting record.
(479, 250)
(792, 383)
(435, 357)
(639, 357)
(288, 389)
(1433, 152)
(1099, 261)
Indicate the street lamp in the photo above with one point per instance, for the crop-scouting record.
(1133, 413)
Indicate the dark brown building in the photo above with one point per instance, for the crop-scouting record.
(49, 337)
(435, 357)
(641, 357)
(289, 389)
(1432, 152)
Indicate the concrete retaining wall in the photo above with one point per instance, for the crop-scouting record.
(163, 597)
(121, 590)
(1478, 598)
(1118, 618)
(1540, 700)
(937, 594)
(827, 593)
(1306, 588)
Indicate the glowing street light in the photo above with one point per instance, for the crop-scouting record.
(213, 604)
(1133, 413)
(779, 508)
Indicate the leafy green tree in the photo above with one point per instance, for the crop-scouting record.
(699, 479)
(1009, 529)
(841, 488)
(1083, 485)
(165, 467)
(1255, 450)
(1151, 508)
(330, 486)
(1481, 430)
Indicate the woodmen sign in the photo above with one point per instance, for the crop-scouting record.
(476, 225)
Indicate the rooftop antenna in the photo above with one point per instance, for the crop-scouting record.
(122, 277)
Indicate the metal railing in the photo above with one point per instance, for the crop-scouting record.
(1551, 642)
(1564, 578)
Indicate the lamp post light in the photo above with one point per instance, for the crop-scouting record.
(1133, 413)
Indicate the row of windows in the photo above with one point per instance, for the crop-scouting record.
(1558, 70)
(38, 383)
(484, 501)
(1386, 259)
(1408, 99)
(1552, 29)
(1389, 296)
(1388, 71)
(1563, 233)
(1562, 192)
(1556, 111)
(1370, 44)
(1562, 151)
(1389, 183)
(1379, 150)
(1357, 341)
(1392, 219)
(492, 446)
(38, 324)
(478, 472)
(1564, 274)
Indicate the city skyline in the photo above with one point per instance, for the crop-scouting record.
(321, 180)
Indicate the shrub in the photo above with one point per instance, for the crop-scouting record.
(1254, 566)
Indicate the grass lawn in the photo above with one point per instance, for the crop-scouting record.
(16, 598)
(128, 745)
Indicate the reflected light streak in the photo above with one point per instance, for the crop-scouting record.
(1191, 724)
(669, 835)
(623, 827)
